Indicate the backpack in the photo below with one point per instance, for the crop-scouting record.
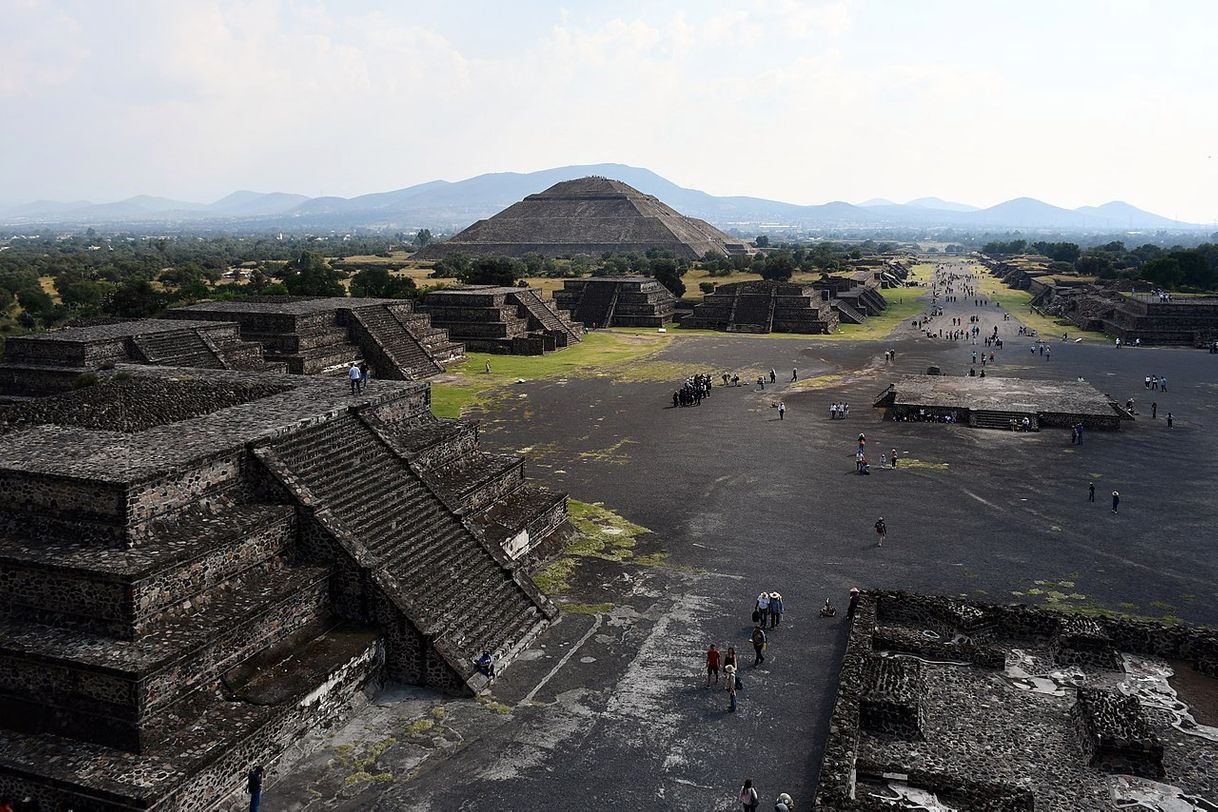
(756, 615)
(739, 683)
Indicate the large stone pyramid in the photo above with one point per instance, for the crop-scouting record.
(587, 216)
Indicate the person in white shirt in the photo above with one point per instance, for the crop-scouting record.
(356, 378)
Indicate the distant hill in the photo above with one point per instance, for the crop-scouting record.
(453, 205)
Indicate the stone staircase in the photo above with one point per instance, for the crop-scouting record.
(184, 348)
(847, 312)
(565, 331)
(392, 350)
(458, 591)
(595, 307)
(990, 419)
(752, 314)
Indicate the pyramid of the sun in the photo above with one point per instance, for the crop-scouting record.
(587, 216)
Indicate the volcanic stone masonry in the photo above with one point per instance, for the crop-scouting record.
(617, 301)
(589, 216)
(947, 703)
(1188, 321)
(765, 307)
(48, 363)
(516, 321)
(196, 570)
(315, 334)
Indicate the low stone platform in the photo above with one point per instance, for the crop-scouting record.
(315, 334)
(617, 301)
(994, 402)
(1021, 734)
(765, 307)
(199, 569)
(509, 320)
(43, 364)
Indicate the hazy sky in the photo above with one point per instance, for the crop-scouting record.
(1071, 101)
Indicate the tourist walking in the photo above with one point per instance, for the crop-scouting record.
(776, 607)
(748, 796)
(729, 661)
(784, 803)
(712, 664)
(854, 601)
(794, 374)
(363, 375)
(1170, 420)
(762, 608)
(356, 378)
(1116, 500)
(758, 639)
(773, 376)
(1091, 492)
(254, 787)
(782, 410)
(729, 673)
(894, 458)
(881, 530)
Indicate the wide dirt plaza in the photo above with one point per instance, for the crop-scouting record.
(688, 513)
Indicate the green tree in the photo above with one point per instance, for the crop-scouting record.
(778, 266)
(502, 271)
(137, 299)
(1164, 272)
(35, 301)
(423, 238)
(380, 283)
(310, 275)
(762, 241)
(668, 273)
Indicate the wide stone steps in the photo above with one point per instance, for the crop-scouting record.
(185, 348)
(403, 349)
(454, 582)
(847, 312)
(431, 441)
(988, 419)
(545, 315)
(595, 306)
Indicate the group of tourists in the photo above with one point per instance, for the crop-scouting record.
(750, 800)
(691, 393)
(1156, 382)
(767, 613)
(839, 411)
(358, 375)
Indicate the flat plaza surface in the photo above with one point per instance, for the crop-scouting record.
(1001, 394)
(609, 709)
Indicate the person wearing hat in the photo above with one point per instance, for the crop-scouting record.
(775, 609)
(854, 601)
(783, 803)
(763, 608)
(729, 671)
(758, 640)
(1116, 500)
(881, 530)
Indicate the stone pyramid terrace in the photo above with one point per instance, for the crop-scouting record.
(48, 363)
(516, 321)
(617, 301)
(590, 216)
(765, 307)
(199, 569)
(312, 335)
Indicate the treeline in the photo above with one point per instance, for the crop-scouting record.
(778, 262)
(1175, 268)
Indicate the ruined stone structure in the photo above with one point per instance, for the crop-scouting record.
(517, 321)
(765, 307)
(1187, 321)
(957, 704)
(48, 363)
(993, 402)
(854, 297)
(312, 335)
(588, 216)
(198, 569)
(616, 301)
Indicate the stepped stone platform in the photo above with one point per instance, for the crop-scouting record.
(197, 570)
(616, 301)
(589, 216)
(316, 334)
(48, 363)
(765, 307)
(992, 402)
(516, 321)
(928, 725)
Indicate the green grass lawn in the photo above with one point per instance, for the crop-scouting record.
(619, 354)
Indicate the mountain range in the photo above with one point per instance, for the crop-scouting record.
(448, 206)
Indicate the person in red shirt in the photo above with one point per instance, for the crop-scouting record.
(712, 665)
